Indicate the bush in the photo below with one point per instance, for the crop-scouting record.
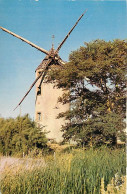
(20, 136)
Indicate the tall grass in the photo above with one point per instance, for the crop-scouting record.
(76, 172)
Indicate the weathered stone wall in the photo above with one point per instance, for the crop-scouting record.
(47, 109)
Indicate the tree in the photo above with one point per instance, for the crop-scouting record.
(95, 77)
(20, 135)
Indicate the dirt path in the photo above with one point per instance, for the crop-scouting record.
(10, 164)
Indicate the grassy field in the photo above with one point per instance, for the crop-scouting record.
(73, 172)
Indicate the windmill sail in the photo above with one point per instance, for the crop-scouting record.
(59, 47)
(43, 73)
(27, 41)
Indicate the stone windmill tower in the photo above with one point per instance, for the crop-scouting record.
(46, 105)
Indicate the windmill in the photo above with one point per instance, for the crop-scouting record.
(52, 58)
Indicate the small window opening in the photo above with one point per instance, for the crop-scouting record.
(39, 91)
(39, 116)
(39, 72)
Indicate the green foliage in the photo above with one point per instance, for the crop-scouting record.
(96, 80)
(20, 135)
(81, 173)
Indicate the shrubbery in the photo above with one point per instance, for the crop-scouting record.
(21, 136)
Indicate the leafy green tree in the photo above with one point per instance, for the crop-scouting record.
(96, 80)
(20, 135)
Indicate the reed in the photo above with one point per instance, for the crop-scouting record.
(89, 171)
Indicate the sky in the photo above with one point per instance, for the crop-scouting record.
(37, 21)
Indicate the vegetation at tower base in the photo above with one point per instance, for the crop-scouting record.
(96, 79)
(89, 171)
(20, 135)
